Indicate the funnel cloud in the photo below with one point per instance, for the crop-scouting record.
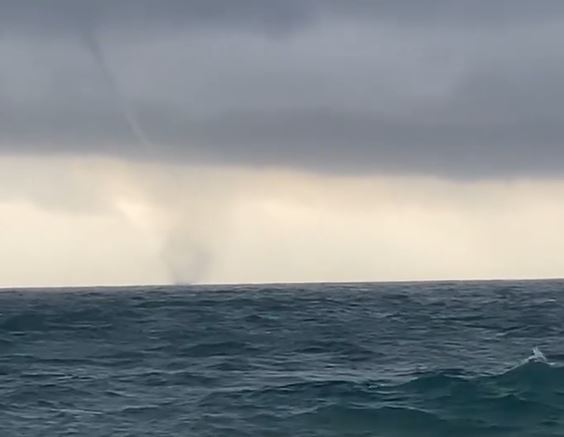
(187, 141)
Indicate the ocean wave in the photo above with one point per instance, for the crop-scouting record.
(348, 417)
(338, 419)
(449, 402)
(23, 322)
(537, 376)
(351, 350)
(209, 349)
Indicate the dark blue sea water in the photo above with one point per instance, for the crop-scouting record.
(417, 359)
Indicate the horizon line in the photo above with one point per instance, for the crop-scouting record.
(275, 283)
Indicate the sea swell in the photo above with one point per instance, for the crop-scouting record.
(529, 397)
(314, 361)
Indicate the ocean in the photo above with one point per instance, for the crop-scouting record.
(390, 359)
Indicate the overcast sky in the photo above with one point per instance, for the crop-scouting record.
(454, 88)
(154, 122)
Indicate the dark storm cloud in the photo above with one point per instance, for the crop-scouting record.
(457, 88)
(66, 16)
(57, 16)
